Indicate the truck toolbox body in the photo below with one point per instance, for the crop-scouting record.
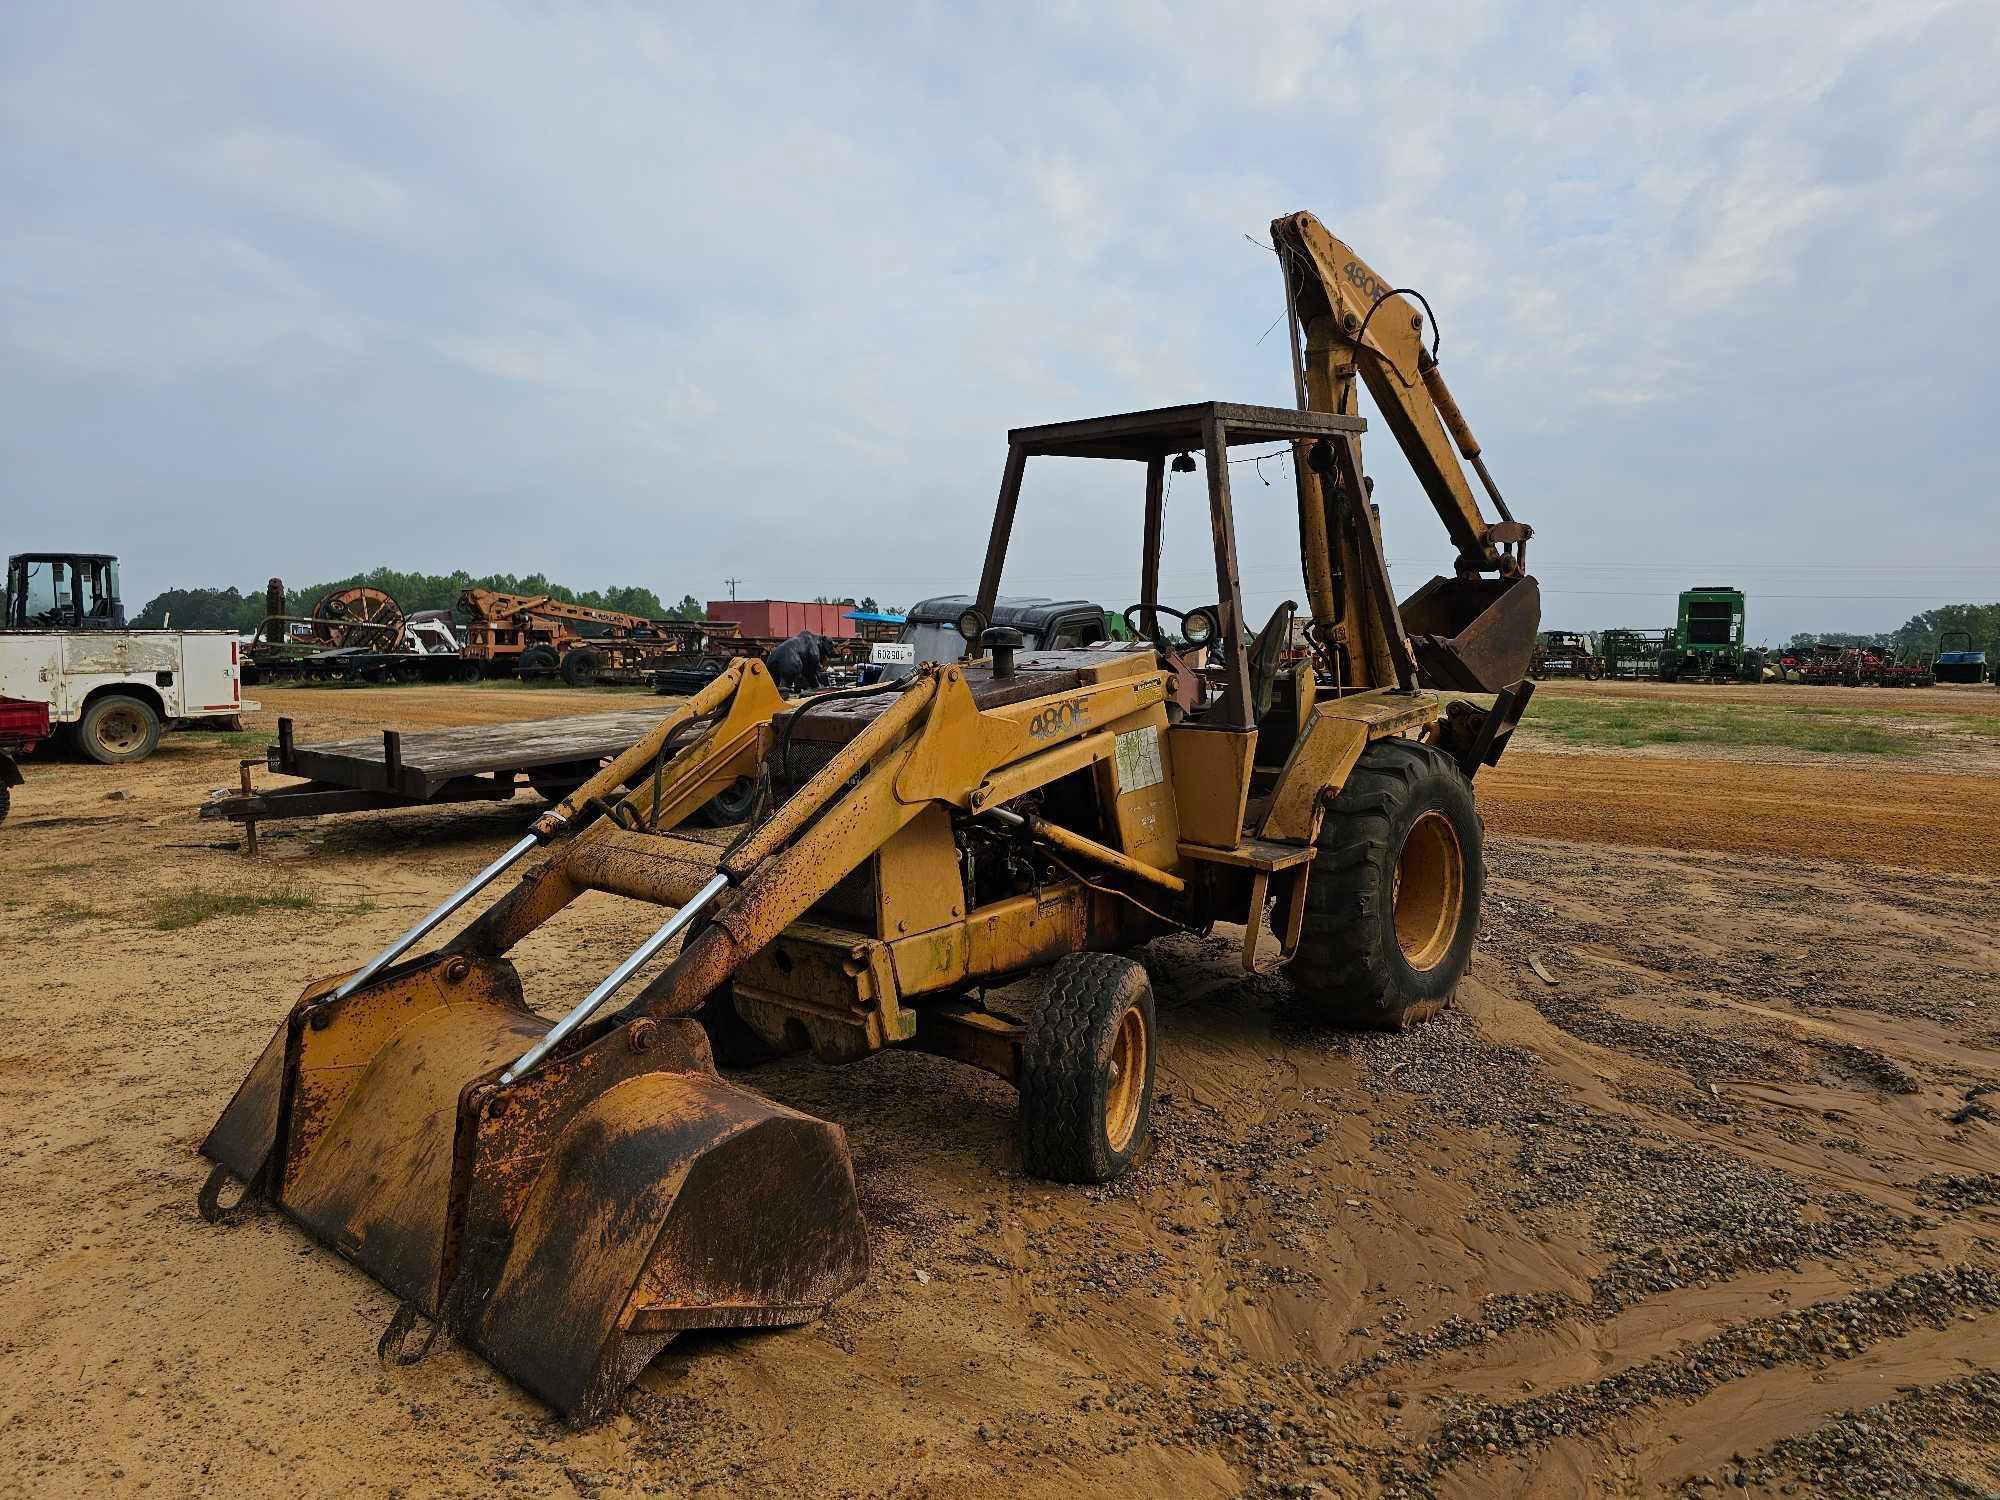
(187, 674)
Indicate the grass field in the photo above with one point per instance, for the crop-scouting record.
(1630, 723)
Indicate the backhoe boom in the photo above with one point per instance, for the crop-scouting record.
(1356, 323)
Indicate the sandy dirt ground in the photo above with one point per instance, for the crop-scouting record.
(1713, 1204)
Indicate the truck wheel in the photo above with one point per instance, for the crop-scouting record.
(408, 672)
(580, 668)
(536, 661)
(1087, 1070)
(1392, 900)
(116, 729)
(467, 672)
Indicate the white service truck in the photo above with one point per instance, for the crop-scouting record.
(113, 689)
(121, 688)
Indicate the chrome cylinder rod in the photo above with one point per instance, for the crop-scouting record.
(615, 980)
(452, 903)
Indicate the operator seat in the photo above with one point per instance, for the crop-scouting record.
(1266, 657)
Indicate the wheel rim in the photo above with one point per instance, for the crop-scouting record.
(120, 730)
(1429, 889)
(1128, 1080)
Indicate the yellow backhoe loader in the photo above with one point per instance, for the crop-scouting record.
(565, 1197)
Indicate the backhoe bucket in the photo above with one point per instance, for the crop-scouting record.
(1473, 635)
(567, 1225)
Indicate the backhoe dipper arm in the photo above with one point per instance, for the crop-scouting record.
(1354, 322)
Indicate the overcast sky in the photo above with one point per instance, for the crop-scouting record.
(674, 294)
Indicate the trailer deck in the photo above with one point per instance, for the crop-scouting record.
(479, 763)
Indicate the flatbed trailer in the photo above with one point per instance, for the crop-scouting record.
(359, 664)
(427, 768)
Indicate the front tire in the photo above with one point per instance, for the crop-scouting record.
(737, 1045)
(1087, 1070)
(733, 804)
(116, 730)
(1392, 901)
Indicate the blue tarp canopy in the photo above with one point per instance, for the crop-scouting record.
(873, 617)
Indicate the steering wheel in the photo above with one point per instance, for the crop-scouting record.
(1159, 641)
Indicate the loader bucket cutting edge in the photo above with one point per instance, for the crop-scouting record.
(566, 1226)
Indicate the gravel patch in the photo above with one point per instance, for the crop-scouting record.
(1836, 1329)
(1913, 1446)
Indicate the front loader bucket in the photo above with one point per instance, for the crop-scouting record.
(567, 1225)
(1473, 635)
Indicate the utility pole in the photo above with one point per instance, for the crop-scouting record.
(732, 582)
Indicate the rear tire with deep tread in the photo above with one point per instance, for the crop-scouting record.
(1087, 1069)
(1404, 818)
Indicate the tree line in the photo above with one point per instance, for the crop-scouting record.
(1919, 635)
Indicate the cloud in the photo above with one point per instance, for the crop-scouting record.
(634, 295)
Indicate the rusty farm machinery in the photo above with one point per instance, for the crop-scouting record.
(353, 634)
(540, 636)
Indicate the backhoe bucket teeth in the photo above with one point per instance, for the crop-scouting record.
(566, 1226)
(1473, 635)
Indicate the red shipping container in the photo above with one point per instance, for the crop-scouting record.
(775, 619)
